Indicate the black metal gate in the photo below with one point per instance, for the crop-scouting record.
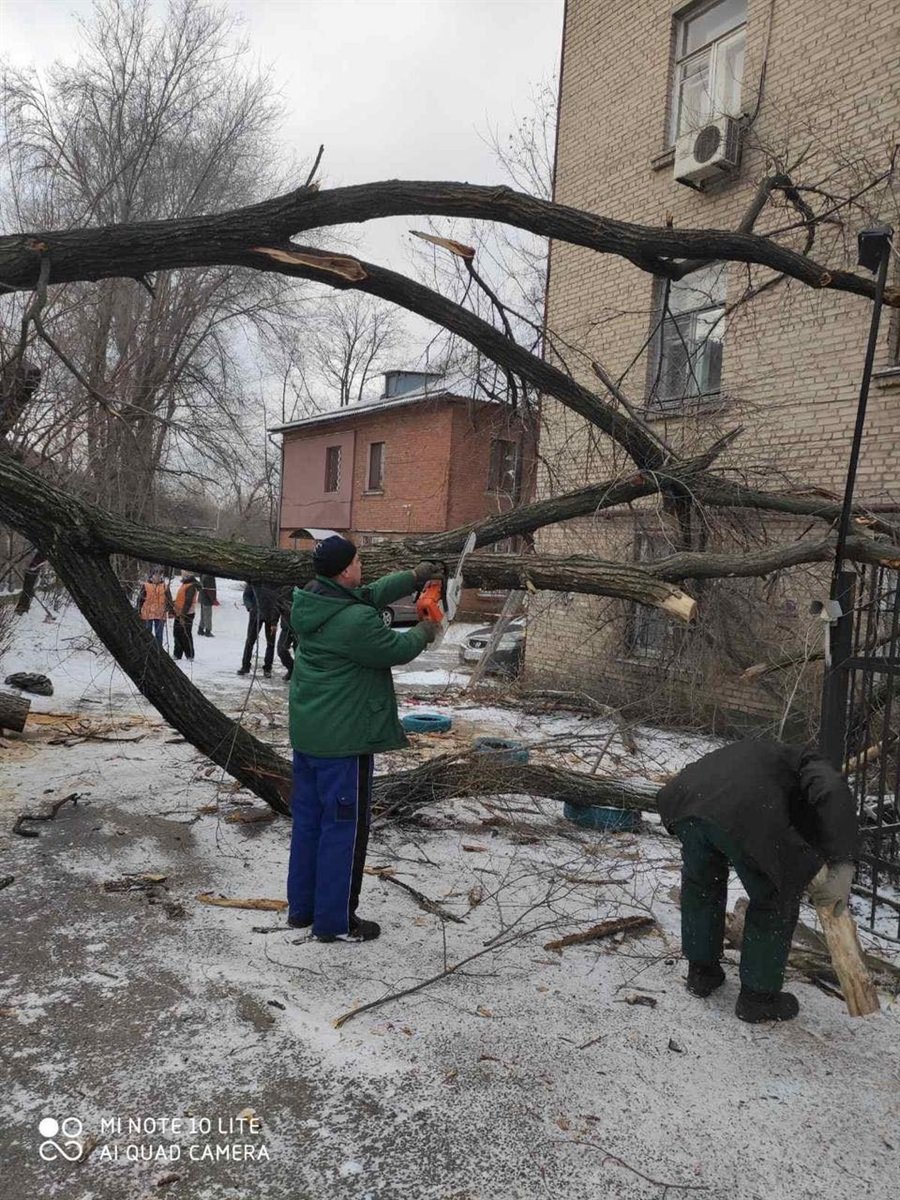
(862, 707)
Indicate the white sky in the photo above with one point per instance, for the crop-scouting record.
(394, 88)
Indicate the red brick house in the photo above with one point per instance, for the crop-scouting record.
(422, 459)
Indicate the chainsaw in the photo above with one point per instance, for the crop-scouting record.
(439, 598)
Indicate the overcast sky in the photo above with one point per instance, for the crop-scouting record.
(394, 88)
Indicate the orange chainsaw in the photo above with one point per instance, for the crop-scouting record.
(439, 598)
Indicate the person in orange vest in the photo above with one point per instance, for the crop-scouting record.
(185, 606)
(154, 603)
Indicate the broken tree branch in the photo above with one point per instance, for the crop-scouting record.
(223, 238)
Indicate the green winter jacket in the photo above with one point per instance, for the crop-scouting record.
(342, 698)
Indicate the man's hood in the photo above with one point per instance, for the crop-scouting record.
(317, 603)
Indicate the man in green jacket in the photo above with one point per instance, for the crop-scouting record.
(342, 711)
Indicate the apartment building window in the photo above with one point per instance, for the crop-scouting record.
(709, 64)
(649, 632)
(332, 468)
(502, 470)
(375, 481)
(689, 340)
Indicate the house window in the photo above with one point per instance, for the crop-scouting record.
(649, 632)
(376, 467)
(709, 64)
(502, 472)
(689, 342)
(332, 468)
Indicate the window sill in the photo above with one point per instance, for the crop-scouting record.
(664, 159)
(690, 408)
(373, 492)
(887, 377)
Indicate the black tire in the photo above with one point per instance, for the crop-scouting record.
(387, 617)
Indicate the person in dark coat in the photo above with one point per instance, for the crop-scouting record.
(207, 602)
(784, 819)
(287, 639)
(263, 611)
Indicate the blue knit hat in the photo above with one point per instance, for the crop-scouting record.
(332, 555)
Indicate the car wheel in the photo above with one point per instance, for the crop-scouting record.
(387, 616)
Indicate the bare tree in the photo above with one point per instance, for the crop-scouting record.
(160, 117)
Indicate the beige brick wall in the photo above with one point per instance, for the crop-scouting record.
(792, 357)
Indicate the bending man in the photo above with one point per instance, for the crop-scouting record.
(784, 819)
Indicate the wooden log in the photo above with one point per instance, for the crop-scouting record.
(14, 710)
(846, 956)
(604, 930)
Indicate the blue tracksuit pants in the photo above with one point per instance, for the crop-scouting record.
(331, 809)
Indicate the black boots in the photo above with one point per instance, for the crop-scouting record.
(704, 978)
(360, 931)
(757, 1007)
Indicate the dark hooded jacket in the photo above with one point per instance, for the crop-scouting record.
(342, 693)
(787, 808)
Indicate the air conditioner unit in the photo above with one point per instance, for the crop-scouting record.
(709, 152)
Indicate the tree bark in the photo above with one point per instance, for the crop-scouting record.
(14, 711)
(142, 248)
(448, 777)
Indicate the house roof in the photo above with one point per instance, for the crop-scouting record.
(442, 391)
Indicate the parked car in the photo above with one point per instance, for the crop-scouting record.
(509, 652)
(401, 612)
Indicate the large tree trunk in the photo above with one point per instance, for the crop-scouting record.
(143, 248)
(444, 778)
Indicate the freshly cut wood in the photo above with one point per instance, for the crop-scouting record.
(14, 711)
(846, 956)
(604, 930)
(229, 902)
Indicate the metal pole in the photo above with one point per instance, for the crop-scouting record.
(879, 241)
(874, 253)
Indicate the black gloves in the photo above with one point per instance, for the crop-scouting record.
(428, 569)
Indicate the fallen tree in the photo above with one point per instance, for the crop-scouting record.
(79, 538)
(449, 776)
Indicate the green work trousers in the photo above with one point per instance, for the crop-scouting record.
(706, 853)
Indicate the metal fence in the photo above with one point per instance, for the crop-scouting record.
(868, 703)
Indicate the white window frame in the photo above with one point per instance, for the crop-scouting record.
(716, 52)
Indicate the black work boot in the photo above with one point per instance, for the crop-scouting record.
(704, 978)
(298, 922)
(757, 1007)
(360, 931)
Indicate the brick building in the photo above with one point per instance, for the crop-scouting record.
(779, 81)
(423, 459)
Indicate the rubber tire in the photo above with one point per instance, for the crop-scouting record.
(387, 618)
(426, 723)
(505, 749)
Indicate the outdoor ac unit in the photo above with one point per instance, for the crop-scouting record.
(708, 153)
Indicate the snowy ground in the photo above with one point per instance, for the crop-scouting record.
(527, 1072)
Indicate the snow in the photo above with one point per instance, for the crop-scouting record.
(525, 1073)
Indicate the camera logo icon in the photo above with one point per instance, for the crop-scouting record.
(68, 1131)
